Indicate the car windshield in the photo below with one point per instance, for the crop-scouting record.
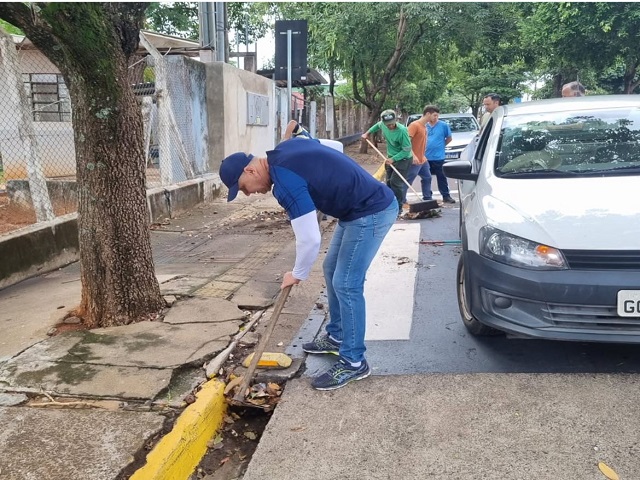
(461, 124)
(568, 143)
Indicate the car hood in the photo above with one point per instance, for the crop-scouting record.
(461, 139)
(576, 213)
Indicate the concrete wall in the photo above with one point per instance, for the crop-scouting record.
(43, 247)
(38, 249)
(229, 131)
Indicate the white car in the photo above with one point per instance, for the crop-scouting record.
(464, 128)
(550, 221)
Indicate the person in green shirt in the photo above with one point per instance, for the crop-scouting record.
(398, 151)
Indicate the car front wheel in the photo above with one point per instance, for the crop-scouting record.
(472, 324)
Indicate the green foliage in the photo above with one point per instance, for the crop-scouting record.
(250, 20)
(586, 39)
(7, 27)
(149, 74)
(178, 19)
(451, 102)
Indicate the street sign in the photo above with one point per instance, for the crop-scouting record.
(298, 29)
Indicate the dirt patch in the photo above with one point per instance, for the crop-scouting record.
(14, 216)
(369, 158)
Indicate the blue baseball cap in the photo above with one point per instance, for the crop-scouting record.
(231, 169)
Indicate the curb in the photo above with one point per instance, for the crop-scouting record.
(179, 452)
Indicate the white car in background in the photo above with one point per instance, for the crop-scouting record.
(550, 221)
(464, 128)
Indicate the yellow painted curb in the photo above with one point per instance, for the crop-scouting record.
(178, 453)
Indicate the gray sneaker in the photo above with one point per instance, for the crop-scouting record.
(323, 344)
(340, 374)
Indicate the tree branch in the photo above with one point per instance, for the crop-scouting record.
(33, 25)
(127, 19)
(356, 92)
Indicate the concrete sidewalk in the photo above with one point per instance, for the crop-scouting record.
(467, 427)
(85, 404)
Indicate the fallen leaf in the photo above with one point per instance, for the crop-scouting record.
(608, 471)
(214, 441)
(250, 435)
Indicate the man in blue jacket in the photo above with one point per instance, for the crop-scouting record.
(306, 176)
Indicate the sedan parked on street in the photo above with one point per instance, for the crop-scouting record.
(464, 128)
(550, 221)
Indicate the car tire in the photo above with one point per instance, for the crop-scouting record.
(470, 322)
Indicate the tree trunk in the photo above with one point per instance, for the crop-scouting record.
(557, 85)
(117, 272)
(629, 76)
(90, 43)
(371, 119)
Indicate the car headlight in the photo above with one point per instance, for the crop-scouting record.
(511, 250)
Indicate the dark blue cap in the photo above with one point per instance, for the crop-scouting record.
(231, 169)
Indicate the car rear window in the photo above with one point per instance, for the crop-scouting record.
(568, 143)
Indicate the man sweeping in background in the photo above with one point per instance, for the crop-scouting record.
(398, 152)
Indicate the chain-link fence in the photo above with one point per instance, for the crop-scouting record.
(37, 153)
(36, 138)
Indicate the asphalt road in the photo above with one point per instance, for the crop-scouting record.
(438, 341)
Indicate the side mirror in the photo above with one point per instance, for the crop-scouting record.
(460, 170)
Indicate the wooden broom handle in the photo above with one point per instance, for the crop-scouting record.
(394, 168)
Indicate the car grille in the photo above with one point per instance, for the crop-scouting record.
(592, 316)
(603, 259)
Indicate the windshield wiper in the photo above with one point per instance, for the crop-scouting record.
(554, 172)
(597, 171)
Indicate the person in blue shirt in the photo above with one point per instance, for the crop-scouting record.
(438, 136)
(304, 176)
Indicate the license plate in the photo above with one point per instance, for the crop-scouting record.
(451, 155)
(629, 303)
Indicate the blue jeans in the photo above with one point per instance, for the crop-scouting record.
(436, 169)
(351, 251)
(425, 180)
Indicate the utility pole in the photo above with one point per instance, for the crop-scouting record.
(207, 37)
(211, 16)
(220, 32)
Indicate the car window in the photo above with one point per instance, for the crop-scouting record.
(602, 142)
(462, 124)
(412, 118)
(482, 144)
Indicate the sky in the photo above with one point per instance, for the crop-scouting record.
(266, 49)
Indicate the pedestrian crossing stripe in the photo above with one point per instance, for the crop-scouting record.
(390, 284)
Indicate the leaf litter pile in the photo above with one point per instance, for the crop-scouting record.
(229, 453)
(260, 395)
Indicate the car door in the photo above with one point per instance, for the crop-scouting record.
(473, 154)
